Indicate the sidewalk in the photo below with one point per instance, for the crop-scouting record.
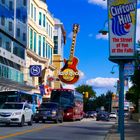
(132, 131)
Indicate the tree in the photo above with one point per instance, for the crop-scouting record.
(86, 88)
(83, 89)
(103, 100)
(133, 94)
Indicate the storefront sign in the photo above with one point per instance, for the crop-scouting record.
(122, 28)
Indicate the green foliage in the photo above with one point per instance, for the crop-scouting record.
(104, 100)
(133, 94)
(91, 94)
(86, 88)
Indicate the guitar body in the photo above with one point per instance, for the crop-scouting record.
(69, 73)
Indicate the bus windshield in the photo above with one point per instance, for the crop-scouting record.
(65, 98)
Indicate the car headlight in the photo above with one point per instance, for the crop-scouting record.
(16, 113)
(54, 112)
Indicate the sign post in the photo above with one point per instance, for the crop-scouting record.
(122, 33)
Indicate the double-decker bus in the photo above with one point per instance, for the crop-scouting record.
(71, 101)
(21, 96)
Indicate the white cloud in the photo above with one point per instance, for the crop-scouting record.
(81, 74)
(101, 3)
(101, 82)
(101, 36)
(68, 86)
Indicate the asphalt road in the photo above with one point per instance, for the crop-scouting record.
(87, 129)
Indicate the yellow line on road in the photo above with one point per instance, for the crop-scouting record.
(24, 132)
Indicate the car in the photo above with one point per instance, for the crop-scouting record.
(49, 111)
(113, 115)
(91, 114)
(16, 113)
(103, 116)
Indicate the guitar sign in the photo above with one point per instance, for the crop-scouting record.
(69, 73)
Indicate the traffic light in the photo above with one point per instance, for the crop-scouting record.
(85, 94)
(113, 96)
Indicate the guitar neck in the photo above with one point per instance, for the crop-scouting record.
(73, 45)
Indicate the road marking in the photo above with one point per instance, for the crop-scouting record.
(24, 132)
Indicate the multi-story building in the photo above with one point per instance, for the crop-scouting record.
(40, 42)
(59, 42)
(26, 38)
(13, 42)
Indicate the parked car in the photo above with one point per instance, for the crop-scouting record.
(113, 115)
(49, 111)
(91, 114)
(103, 116)
(18, 113)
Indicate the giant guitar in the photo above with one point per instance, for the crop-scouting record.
(69, 73)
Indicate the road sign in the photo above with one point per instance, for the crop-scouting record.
(35, 70)
(128, 69)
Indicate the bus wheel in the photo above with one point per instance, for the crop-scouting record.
(22, 121)
(31, 121)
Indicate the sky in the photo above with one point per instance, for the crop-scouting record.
(92, 48)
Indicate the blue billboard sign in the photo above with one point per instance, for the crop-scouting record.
(35, 70)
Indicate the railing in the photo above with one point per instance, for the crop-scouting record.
(11, 74)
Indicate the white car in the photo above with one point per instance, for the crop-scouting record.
(113, 115)
(13, 112)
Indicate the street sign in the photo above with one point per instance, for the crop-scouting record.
(35, 70)
(128, 69)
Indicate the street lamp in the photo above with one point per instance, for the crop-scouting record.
(104, 30)
(112, 70)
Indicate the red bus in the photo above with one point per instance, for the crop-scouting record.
(71, 101)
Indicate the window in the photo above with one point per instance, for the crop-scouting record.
(24, 36)
(18, 13)
(31, 39)
(46, 50)
(0, 42)
(24, 18)
(44, 20)
(34, 14)
(3, 1)
(10, 26)
(34, 41)
(40, 18)
(31, 10)
(39, 46)
(18, 32)
(43, 46)
(8, 47)
(10, 5)
(2, 20)
(24, 2)
(55, 44)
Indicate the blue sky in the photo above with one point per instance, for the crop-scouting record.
(92, 49)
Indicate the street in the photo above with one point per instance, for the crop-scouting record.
(87, 129)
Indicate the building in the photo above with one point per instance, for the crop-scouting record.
(13, 42)
(59, 42)
(40, 42)
(26, 38)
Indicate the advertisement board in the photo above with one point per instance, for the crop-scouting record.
(122, 28)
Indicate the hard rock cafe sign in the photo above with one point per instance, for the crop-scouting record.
(69, 73)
